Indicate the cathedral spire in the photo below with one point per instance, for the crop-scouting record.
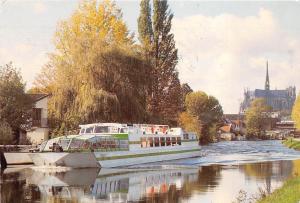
(267, 84)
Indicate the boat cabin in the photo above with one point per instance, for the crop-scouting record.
(117, 136)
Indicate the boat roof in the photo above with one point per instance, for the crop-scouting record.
(120, 125)
(103, 124)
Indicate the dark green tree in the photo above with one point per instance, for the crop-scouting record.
(145, 26)
(14, 102)
(165, 84)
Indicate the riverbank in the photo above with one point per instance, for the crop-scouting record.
(292, 143)
(288, 193)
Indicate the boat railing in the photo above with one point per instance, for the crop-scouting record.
(99, 145)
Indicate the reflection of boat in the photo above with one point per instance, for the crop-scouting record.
(114, 144)
(84, 185)
(67, 184)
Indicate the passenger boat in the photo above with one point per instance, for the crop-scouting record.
(115, 144)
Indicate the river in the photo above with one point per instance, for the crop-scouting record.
(229, 171)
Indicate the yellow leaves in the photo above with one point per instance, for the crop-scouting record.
(189, 123)
(255, 116)
(91, 21)
(296, 112)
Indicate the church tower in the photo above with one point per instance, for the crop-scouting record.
(267, 83)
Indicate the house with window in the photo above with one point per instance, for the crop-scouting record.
(38, 130)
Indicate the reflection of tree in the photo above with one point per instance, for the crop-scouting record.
(277, 169)
(14, 189)
(296, 168)
(258, 170)
(267, 171)
(208, 178)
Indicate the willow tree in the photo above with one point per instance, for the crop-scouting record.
(98, 75)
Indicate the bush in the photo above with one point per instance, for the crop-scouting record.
(6, 133)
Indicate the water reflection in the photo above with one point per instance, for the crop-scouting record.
(213, 183)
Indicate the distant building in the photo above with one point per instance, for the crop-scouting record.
(236, 123)
(280, 100)
(38, 130)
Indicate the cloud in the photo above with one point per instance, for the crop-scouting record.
(39, 7)
(226, 53)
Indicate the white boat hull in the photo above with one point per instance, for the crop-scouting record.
(65, 159)
(147, 159)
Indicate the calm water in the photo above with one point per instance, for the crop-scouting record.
(229, 170)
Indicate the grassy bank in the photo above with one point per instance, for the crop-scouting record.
(288, 193)
(292, 143)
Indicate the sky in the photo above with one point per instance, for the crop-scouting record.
(223, 46)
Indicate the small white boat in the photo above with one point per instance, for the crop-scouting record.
(115, 144)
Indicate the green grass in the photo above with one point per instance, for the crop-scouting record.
(288, 193)
(144, 155)
(291, 143)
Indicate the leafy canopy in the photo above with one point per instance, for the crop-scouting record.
(95, 73)
(296, 112)
(164, 100)
(255, 117)
(202, 115)
(14, 103)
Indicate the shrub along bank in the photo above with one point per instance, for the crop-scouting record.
(288, 193)
(292, 143)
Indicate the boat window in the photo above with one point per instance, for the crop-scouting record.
(162, 141)
(82, 131)
(168, 142)
(185, 136)
(76, 144)
(179, 140)
(123, 144)
(123, 130)
(64, 143)
(101, 129)
(43, 145)
(156, 141)
(150, 142)
(113, 129)
(89, 130)
(143, 142)
(173, 140)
